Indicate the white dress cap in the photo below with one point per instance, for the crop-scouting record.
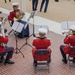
(72, 27)
(42, 30)
(15, 4)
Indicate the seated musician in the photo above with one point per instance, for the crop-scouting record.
(14, 15)
(5, 50)
(41, 42)
(17, 15)
(70, 41)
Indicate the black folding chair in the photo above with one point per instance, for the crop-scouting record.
(42, 57)
(71, 58)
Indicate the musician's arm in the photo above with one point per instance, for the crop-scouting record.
(66, 40)
(49, 42)
(11, 16)
(4, 39)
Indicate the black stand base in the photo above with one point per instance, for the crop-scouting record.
(17, 50)
(32, 35)
(56, 0)
(26, 43)
(10, 32)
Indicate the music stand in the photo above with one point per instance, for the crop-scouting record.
(17, 27)
(31, 16)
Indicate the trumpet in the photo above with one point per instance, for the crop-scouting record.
(67, 33)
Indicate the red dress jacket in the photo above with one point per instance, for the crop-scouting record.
(12, 15)
(3, 40)
(70, 41)
(41, 44)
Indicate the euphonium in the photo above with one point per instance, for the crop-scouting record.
(19, 15)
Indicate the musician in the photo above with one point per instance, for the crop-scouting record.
(5, 50)
(13, 14)
(41, 42)
(17, 15)
(70, 43)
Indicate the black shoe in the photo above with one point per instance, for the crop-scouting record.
(40, 11)
(8, 62)
(1, 60)
(35, 63)
(9, 0)
(49, 61)
(26, 35)
(65, 61)
(45, 11)
(74, 60)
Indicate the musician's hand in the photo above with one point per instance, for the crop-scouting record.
(6, 35)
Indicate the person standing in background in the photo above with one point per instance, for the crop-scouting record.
(6, 1)
(56, 0)
(46, 2)
(34, 5)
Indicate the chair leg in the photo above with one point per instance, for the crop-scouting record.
(69, 61)
(35, 63)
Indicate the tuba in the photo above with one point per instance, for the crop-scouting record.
(19, 15)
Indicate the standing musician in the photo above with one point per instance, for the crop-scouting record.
(16, 14)
(41, 42)
(70, 41)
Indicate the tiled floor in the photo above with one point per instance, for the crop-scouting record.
(24, 66)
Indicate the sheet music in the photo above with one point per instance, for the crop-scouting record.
(17, 26)
(71, 23)
(40, 26)
(64, 25)
(67, 25)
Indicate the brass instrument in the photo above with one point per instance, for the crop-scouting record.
(19, 15)
(67, 33)
(2, 22)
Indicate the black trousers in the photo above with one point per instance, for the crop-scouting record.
(46, 2)
(63, 54)
(56, 0)
(6, 1)
(8, 53)
(34, 4)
